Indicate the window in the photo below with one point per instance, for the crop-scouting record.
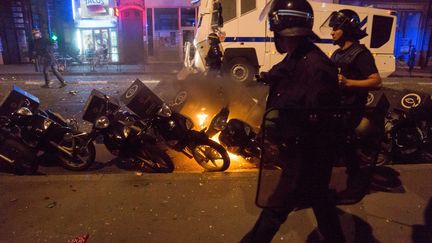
(187, 17)
(381, 30)
(166, 18)
(217, 19)
(247, 5)
(229, 10)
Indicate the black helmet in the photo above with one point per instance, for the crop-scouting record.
(214, 38)
(348, 21)
(291, 18)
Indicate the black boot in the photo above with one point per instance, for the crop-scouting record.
(357, 187)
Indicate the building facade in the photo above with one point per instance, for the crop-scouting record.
(15, 29)
(153, 31)
(137, 31)
(19, 17)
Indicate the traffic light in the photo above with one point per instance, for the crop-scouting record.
(116, 12)
(54, 37)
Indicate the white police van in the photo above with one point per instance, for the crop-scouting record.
(247, 43)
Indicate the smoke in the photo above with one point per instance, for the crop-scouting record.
(245, 101)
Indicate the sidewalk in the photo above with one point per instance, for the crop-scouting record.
(194, 207)
(402, 71)
(124, 69)
(105, 69)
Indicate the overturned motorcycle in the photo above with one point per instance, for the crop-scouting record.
(175, 129)
(235, 135)
(50, 136)
(408, 125)
(13, 152)
(125, 135)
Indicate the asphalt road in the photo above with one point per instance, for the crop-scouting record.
(112, 205)
(203, 97)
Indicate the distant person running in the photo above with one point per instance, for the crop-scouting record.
(44, 52)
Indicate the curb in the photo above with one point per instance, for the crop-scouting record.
(90, 74)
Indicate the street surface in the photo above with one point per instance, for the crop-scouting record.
(113, 205)
(202, 96)
(196, 207)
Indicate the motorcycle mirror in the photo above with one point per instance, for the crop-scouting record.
(102, 122)
(68, 136)
(220, 123)
(164, 111)
(24, 111)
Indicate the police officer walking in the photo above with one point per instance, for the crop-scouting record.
(214, 56)
(305, 79)
(44, 52)
(358, 74)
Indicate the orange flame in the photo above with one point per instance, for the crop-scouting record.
(202, 117)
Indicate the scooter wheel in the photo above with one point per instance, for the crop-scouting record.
(211, 156)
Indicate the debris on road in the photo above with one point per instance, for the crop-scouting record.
(80, 239)
(73, 92)
(51, 205)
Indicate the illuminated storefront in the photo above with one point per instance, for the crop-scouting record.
(153, 30)
(96, 29)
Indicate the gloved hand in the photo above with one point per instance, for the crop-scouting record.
(261, 78)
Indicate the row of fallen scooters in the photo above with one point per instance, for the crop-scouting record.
(29, 135)
(396, 127)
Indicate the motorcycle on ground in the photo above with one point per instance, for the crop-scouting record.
(60, 139)
(13, 152)
(175, 129)
(51, 136)
(236, 136)
(408, 126)
(125, 135)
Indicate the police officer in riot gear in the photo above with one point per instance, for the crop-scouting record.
(45, 54)
(358, 74)
(305, 78)
(214, 56)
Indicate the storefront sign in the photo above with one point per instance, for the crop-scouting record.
(94, 3)
(139, 3)
(92, 8)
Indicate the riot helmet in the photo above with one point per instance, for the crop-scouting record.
(346, 20)
(213, 38)
(290, 18)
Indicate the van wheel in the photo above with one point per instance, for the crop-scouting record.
(239, 70)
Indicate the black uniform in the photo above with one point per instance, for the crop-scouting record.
(214, 58)
(45, 54)
(305, 79)
(356, 63)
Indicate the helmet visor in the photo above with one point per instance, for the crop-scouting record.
(265, 11)
(334, 21)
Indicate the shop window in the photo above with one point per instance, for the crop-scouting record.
(166, 18)
(247, 6)
(229, 10)
(381, 30)
(188, 17)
